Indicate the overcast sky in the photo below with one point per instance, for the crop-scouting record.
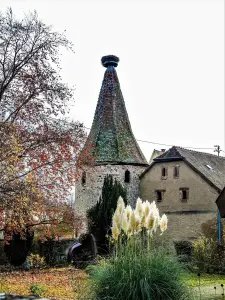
(171, 67)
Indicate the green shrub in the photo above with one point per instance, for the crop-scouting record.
(208, 255)
(152, 276)
(37, 290)
(183, 247)
(99, 216)
(138, 271)
(184, 251)
(36, 261)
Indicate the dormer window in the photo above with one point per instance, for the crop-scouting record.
(164, 173)
(176, 171)
(127, 176)
(83, 178)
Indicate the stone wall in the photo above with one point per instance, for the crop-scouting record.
(185, 218)
(88, 194)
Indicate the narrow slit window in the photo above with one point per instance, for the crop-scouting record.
(83, 179)
(176, 172)
(127, 176)
(164, 173)
(184, 194)
(159, 195)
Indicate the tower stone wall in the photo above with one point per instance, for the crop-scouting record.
(87, 194)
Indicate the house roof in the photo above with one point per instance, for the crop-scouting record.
(155, 154)
(111, 136)
(209, 166)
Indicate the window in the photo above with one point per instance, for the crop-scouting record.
(159, 195)
(127, 176)
(176, 171)
(164, 173)
(83, 178)
(184, 194)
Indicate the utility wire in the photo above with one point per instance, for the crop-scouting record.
(160, 144)
(173, 145)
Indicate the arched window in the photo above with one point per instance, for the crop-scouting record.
(127, 176)
(83, 178)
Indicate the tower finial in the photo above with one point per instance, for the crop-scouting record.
(110, 60)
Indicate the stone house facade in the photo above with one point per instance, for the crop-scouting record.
(114, 148)
(185, 185)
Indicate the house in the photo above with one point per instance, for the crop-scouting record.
(185, 184)
(113, 144)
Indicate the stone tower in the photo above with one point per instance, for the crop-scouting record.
(115, 149)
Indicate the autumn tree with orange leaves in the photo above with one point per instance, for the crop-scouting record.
(38, 147)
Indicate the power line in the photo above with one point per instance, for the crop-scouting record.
(173, 145)
(161, 144)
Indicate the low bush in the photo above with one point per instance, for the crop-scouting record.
(36, 261)
(153, 276)
(137, 270)
(184, 251)
(183, 247)
(208, 256)
(37, 290)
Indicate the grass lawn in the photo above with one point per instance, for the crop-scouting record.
(192, 279)
(59, 283)
(207, 283)
(67, 283)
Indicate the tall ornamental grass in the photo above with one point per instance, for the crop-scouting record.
(137, 271)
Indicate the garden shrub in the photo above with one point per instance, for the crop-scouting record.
(184, 250)
(153, 276)
(137, 270)
(36, 261)
(99, 216)
(183, 247)
(37, 290)
(208, 255)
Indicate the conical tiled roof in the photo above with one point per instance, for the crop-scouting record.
(111, 135)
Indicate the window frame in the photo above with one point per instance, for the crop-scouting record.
(127, 176)
(166, 172)
(187, 190)
(162, 195)
(176, 171)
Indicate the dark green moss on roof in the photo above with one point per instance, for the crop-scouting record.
(111, 135)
